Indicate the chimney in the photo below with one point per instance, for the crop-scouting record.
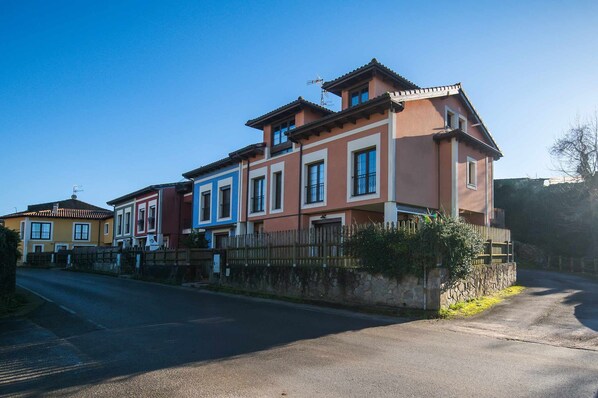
(55, 208)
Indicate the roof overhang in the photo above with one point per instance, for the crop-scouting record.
(219, 164)
(374, 68)
(462, 136)
(286, 111)
(248, 151)
(139, 192)
(379, 104)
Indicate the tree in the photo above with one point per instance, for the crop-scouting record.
(577, 155)
(195, 240)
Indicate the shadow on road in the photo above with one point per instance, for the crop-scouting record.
(53, 349)
(582, 293)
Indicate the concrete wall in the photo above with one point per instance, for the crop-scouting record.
(356, 287)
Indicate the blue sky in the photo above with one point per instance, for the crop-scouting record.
(118, 95)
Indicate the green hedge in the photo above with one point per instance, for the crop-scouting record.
(9, 254)
(396, 253)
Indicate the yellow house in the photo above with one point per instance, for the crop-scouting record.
(63, 225)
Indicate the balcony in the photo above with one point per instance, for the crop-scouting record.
(315, 193)
(364, 184)
(257, 204)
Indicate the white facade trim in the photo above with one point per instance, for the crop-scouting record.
(124, 221)
(253, 174)
(61, 244)
(472, 185)
(202, 189)
(275, 168)
(455, 177)
(142, 206)
(223, 183)
(211, 176)
(153, 203)
(355, 146)
(328, 216)
(38, 245)
(43, 222)
(88, 230)
(308, 159)
(347, 133)
(392, 157)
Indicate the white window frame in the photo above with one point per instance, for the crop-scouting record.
(464, 119)
(60, 244)
(150, 204)
(142, 206)
(43, 222)
(88, 235)
(371, 141)
(106, 228)
(253, 174)
(309, 159)
(202, 189)
(122, 227)
(448, 110)
(38, 245)
(131, 221)
(471, 185)
(221, 184)
(275, 168)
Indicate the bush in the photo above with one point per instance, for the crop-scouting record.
(396, 252)
(195, 240)
(9, 254)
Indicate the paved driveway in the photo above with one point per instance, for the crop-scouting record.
(556, 309)
(102, 336)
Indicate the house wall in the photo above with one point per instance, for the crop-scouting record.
(145, 201)
(121, 209)
(213, 182)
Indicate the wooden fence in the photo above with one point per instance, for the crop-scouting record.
(581, 265)
(324, 246)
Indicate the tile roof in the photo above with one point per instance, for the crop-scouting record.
(372, 65)
(141, 191)
(259, 122)
(224, 162)
(468, 139)
(64, 213)
(71, 203)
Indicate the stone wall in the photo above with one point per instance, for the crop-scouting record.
(484, 280)
(356, 287)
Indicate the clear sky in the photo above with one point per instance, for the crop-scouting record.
(118, 95)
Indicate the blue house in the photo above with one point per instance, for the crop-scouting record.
(216, 199)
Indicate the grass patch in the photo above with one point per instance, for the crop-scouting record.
(468, 308)
(11, 303)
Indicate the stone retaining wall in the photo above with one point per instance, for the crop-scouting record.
(357, 287)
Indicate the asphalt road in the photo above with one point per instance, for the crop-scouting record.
(103, 336)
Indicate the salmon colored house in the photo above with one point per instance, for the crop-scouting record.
(393, 151)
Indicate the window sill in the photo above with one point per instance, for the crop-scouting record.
(358, 198)
(472, 187)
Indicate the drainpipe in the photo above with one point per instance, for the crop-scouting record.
(247, 198)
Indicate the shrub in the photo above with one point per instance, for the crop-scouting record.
(9, 254)
(195, 240)
(396, 253)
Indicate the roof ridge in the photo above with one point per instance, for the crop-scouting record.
(300, 100)
(428, 89)
(373, 62)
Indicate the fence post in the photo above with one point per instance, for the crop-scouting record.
(571, 263)
(583, 264)
(490, 249)
(295, 252)
(269, 254)
(560, 263)
(548, 262)
(325, 253)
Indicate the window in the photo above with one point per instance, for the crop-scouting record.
(278, 132)
(38, 248)
(22, 230)
(81, 232)
(41, 230)
(141, 220)
(450, 119)
(277, 188)
(128, 222)
(462, 124)
(151, 218)
(225, 202)
(61, 247)
(106, 228)
(315, 182)
(257, 201)
(364, 172)
(471, 173)
(119, 224)
(359, 96)
(206, 198)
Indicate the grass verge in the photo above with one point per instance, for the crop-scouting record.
(472, 307)
(12, 303)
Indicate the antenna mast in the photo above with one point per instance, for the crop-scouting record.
(76, 188)
(323, 93)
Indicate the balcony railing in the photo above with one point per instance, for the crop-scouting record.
(364, 184)
(257, 204)
(315, 193)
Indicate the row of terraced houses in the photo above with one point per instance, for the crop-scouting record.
(394, 151)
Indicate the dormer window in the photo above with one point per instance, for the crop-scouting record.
(359, 96)
(279, 130)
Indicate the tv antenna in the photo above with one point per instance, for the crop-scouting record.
(323, 93)
(76, 188)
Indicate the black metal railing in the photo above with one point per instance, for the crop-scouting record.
(141, 224)
(315, 193)
(364, 184)
(151, 222)
(257, 204)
